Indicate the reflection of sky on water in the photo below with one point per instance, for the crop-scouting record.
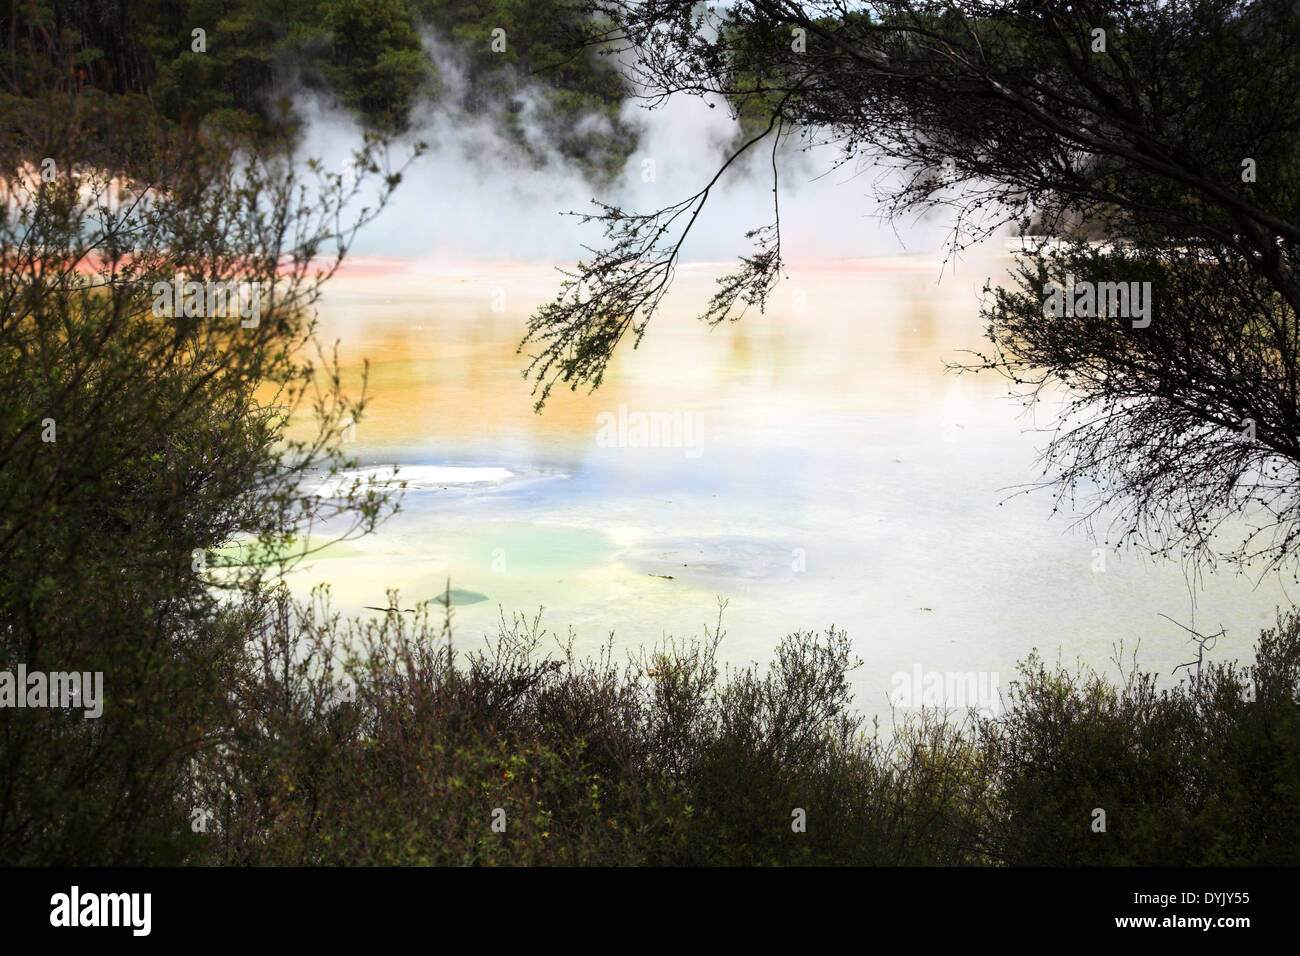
(842, 478)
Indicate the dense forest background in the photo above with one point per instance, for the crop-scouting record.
(372, 57)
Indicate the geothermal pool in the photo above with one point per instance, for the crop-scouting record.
(814, 466)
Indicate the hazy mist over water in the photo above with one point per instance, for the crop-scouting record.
(827, 470)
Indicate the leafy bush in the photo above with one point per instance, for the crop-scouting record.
(668, 760)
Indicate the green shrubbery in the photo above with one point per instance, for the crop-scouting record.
(1206, 774)
(668, 761)
(133, 442)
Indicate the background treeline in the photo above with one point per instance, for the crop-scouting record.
(368, 55)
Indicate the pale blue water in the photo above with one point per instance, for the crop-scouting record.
(834, 475)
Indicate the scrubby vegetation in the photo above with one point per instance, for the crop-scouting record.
(369, 745)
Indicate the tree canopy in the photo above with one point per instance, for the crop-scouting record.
(368, 55)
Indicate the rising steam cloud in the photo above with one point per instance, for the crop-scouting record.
(476, 196)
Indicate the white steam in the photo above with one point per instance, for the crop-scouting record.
(474, 196)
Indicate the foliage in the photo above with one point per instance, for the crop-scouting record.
(135, 439)
(363, 744)
(367, 54)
